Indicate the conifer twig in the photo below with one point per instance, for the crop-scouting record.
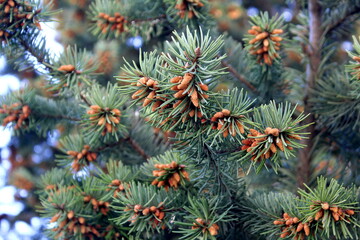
(346, 16)
(132, 142)
(163, 16)
(137, 147)
(239, 76)
(84, 99)
(40, 59)
(99, 149)
(61, 117)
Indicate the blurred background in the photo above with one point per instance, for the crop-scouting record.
(24, 159)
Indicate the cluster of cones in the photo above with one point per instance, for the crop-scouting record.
(147, 90)
(169, 175)
(256, 142)
(17, 113)
(293, 226)
(185, 8)
(111, 23)
(117, 184)
(219, 123)
(157, 213)
(200, 223)
(17, 12)
(186, 89)
(98, 206)
(99, 116)
(336, 212)
(72, 225)
(85, 154)
(261, 44)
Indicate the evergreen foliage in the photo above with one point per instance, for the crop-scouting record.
(165, 151)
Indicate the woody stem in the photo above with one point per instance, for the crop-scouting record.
(312, 69)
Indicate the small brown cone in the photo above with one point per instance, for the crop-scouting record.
(276, 39)
(273, 148)
(300, 227)
(226, 112)
(325, 206)
(285, 234)
(149, 98)
(137, 94)
(336, 216)
(350, 212)
(278, 222)
(319, 215)
(204, 87)
(334, 209)
(176, 176)
(70, 214)
(261, 36)
(146, 211)
(277, 31)
(279, 144)
(81, 220)
(194, 98)
(55, 218)
(176, 79)
(185, 81)
(241, 127)
(66, 68)
(306, 229)
(212, 230)
(161, 215)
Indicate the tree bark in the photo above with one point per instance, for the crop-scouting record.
(312, 68)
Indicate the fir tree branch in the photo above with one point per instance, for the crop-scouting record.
(239, 76)
(132, 142)
(312, 68)
(85, 100)
(223, 187)
(350, 13)
(40, 58)
(60, 117)
(99, 149)
(137, 147)
(163, 16)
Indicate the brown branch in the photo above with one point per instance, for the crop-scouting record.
(60, 117)
(85, 99)
(163, 16)
(99, 149)
(137, 147)
(39, 58)
(312, 68)
(132, 142)
(237, 75)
